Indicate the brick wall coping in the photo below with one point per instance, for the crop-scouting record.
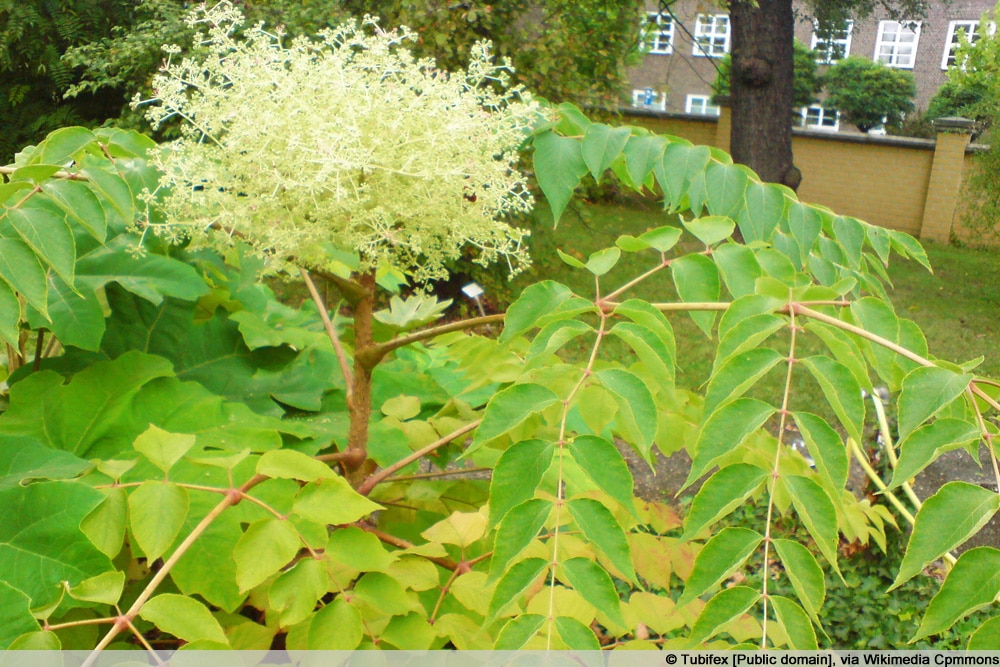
(850, 137)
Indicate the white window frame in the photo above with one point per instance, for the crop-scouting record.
(823, 48)
(713, 30)
(704, 105)
(821, 114)
(894, 41)
(971, 28)
(659, 103)
(657, 26)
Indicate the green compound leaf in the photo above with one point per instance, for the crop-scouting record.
(604, 464)
(41, 544)
(696, 278)
(739, 268)
(973, 583)
(721, 494)
(295, 592)
(463, 529)
(601, 146)
(680, 164)
(25, 459)
(825, 446)
(747, 334)
(805, 574)
(183, 617)
(509, 408)
(603, 261)
(156, 513)
(535, 302)
(841, 390)
(21, 269)
(15, 615)
(726, 605)
(710, 229)
(290, 464)
(105, 525)
(801, 636)
(925, 392)
(635, 405)
(332, 501)
(654, 352)
(851, 234)
(517, 530)
(724, 431)
(336, 627)
(576, 635)
(267, 546)
(517, 474)
(737, 374)
(726, 185)
(518, 632)
(817, 512)
(986, 637)
(358, 549)
(765, 206)
(947, 519)
(559, 165)
(163, 449)
(601, 528)
(642, 153)
(594, 585)
(721, 556)
(105, 588)
(926, 442)
(10, 315)
(62, 144)
(48, 236)
(513, 584)
(80, 204)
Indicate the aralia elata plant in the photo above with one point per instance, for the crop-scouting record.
(196, 464)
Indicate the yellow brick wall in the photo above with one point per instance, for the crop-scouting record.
(882, 184)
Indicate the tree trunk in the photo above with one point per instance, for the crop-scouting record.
(762, 89)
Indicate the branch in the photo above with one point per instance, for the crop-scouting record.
(382, 349)
(864, 333)
(353, 291)
(232, 498)
(68, 175)
(331, 332)
(399, 543)
(375, 479)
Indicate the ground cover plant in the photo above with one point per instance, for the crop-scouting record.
(192, 463)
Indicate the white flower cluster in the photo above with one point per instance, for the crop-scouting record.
(343, 142)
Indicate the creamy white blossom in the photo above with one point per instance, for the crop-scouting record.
(342, 142)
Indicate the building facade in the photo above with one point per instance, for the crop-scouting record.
(685, 40)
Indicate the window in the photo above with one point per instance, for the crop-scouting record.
(818, 118)
(896, 45)
(647, 98)
(832, 41)
(700, 105)
(956, 28)
(658, 34)
(711, 35)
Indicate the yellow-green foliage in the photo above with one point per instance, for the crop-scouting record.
(346, 142)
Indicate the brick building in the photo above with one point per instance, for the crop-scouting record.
(686, 39)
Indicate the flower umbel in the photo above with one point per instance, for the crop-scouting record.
(342, 142)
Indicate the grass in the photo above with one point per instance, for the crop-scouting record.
(957, 306)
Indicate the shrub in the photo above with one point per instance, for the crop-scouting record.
(868, 93)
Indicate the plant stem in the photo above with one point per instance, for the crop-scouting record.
(890, 449)
(358, 467)
(775, 474)
(587, 372)
(39, 342)
(439, 473)
(399, 543)
(375, 479)
(986, 434)
(664, 263)
(331, 332)
(382, 349)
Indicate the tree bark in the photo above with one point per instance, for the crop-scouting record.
(761, 86)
